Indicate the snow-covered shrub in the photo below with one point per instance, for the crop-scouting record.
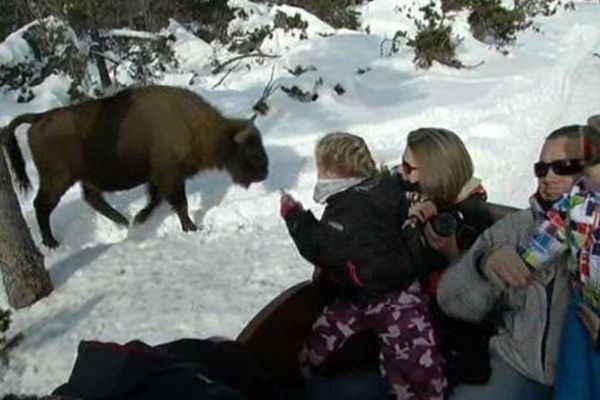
(145, 59)
(435, 40)
(494, 24)
(289, 22)
(208, 19)
(54, 50)
(250, 41)
(454, 5)
(338, 14)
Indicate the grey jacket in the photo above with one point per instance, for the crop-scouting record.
(529, 337)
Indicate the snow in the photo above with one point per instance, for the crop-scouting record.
(191, 51)
(131, 33)
(156, 283)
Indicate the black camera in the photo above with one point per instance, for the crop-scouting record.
(444, 224)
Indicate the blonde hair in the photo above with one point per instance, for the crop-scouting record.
(345, 154)
(445, 165)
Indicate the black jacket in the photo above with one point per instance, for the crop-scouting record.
(358, 242)
(465, 345)
(473, 218)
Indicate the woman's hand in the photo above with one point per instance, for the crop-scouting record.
(591, 321)
(423, 211)
(446, 246)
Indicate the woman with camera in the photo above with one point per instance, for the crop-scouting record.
(449, 211)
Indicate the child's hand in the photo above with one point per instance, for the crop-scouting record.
(287, 204)
(590, 320)
(423, 211)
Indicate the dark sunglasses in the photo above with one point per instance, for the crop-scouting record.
(407, 168)
(560, 167)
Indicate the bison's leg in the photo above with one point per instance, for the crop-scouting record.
(47, 198)
(94, 198)
(173, 190)
(145, 212)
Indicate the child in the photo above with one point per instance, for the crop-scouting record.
(573, 225)
(358, 245)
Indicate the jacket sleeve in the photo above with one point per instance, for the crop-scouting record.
(549, 240)
(306, 233)
(324, 246)
(462, 291)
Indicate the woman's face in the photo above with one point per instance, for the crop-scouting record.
(409, 169)
(551, 186)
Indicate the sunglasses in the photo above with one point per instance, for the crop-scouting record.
(407, 168)
(559, 167)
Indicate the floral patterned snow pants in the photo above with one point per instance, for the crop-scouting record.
(409, 357)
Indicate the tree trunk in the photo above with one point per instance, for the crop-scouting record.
(22, 265)
(98, 48)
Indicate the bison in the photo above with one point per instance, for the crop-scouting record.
(156, 135)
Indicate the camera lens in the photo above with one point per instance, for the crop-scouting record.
(444, 224)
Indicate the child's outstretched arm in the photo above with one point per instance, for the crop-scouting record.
(303, 227)
(549, 240)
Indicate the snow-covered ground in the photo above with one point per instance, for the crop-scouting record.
(157, 283)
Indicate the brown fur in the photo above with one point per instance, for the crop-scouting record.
(157, 135)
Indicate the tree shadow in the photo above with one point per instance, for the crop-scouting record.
(64, 269)
(37, 334)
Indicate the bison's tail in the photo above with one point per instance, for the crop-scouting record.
(15, 156)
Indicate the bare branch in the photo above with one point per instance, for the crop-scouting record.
(227, 74)
(261, 106)
(259, 54)
(597, 55)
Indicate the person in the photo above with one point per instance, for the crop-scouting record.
(439, 169)
(594, 121)
(357, 244)
(491, 276)
(572, 226)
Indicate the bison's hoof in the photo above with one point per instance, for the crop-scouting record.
(189, 226)
(140, 219)
(51, 243)
(123, 222)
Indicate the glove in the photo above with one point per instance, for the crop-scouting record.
(287, 204)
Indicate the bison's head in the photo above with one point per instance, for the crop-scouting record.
(249, 162)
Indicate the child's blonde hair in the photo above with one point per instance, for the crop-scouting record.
(345, 155)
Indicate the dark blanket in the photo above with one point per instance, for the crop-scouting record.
(184, 369)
